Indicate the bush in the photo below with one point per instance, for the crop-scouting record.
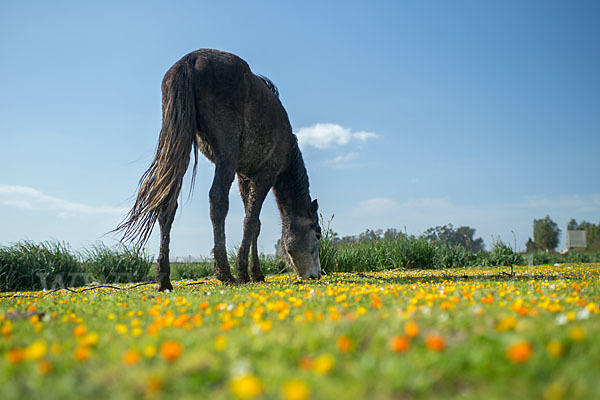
(113, 265)
(503, 255)
(327, 248)
(30, 266)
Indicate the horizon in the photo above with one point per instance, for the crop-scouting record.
(409, 115)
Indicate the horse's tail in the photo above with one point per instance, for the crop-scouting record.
(163, 179)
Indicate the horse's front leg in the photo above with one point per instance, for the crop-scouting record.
(254, 194)
(219, 206)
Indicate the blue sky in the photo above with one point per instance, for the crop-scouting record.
(410, 114)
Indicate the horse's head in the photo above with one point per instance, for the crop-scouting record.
(300, 243)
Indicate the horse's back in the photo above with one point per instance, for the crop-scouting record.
(237, 112)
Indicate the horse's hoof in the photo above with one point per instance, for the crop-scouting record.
(164, 286)
(227, 280)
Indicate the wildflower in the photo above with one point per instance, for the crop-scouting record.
(121, 328)
(15, 356)
(220, 342)
(155, 384)
(247, 386)
(36, 350)
(323, 364)
(435, 342)
(306, 363)
(132, 357)
(344, 343)
(411, 329)
(79, 330)
(577, 333)
(171, 350)
(82, 353)
(295, 389)
(554, 348)
(91, 339)
(150, 351)
(45, 367)
(519, 352)
(399, 344)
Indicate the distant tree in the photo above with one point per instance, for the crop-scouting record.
(545, 233)
(392, 233)
(462, 236)
(572, 225)
(530, 246)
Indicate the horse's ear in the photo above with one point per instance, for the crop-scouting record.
(314, 206)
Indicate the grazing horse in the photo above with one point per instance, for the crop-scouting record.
(212, 102)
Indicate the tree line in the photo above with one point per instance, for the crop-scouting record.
(546, 236)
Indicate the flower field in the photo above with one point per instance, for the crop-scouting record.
(403, 334)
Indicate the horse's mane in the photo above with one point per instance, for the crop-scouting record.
(269, 84)
(298, 177)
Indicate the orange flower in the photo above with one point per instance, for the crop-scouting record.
(399, 343)
(45, 366)
(435, 342)
(306, 363)
(82, 353)
(132, 357)
(171, 350)
(519, 352)
(344, 344)
(411, 329)
(15, 356)
(79, 330)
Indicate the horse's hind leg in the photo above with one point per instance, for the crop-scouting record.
(163, 267)
(253, 194)
(219, 206)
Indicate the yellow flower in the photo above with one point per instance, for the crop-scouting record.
(247, 386)
(295, 389)
(577, 333)
(150, 351)
(554, 348)
(121, 328)
(91, 339)
(323, 364)
(220, 342)
(36, 350)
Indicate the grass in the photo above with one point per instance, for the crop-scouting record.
(466, 333)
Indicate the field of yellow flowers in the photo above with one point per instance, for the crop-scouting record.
(403, 334)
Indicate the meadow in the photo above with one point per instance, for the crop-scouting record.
(469, 332)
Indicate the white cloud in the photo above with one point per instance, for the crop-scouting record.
(576, 203)
(324, 136)
(342, 161)
(32, 199)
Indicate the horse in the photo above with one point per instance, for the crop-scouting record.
(213, 103)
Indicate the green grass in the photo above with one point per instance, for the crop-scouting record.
(331, 337)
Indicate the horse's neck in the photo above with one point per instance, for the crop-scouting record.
(291, 189)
